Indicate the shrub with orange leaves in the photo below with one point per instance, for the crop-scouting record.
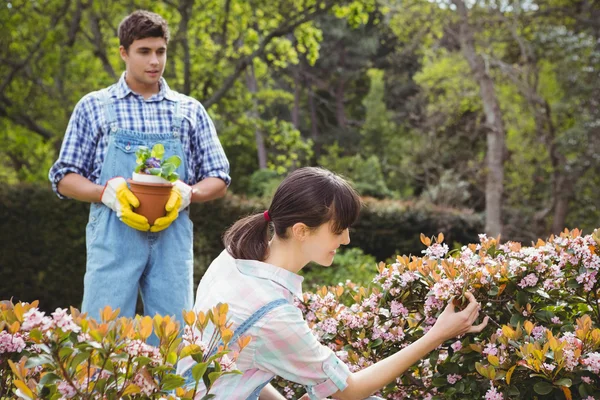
(543, 300)
(67, 355)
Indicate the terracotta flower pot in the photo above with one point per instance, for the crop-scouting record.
(152, 193)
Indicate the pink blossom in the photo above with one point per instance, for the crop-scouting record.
(493, 394)
(64, 321)
(456, 346)
(398, 308)
(453, 378)
(436, 251)
(490, 349)
(66, 389)
(592, 361)
(11, 343)
(529, 280)
(35, 318)
(137, 348)
(147, 387)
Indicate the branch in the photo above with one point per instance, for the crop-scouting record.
(97, 41)
(75, 23)
(23, 119)
(18, 66)
(243, 63)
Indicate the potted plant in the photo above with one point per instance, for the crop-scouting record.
(152, 180)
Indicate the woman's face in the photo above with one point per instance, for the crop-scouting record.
(321, 244)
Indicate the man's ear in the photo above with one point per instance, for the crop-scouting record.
(300, 231)
(123, 53)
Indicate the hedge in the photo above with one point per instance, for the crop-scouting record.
(43, 238)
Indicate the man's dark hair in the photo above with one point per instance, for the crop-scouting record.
(142, 24)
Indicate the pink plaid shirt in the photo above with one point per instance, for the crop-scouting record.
(282, 343)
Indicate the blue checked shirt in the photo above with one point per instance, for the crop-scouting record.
(85, 142)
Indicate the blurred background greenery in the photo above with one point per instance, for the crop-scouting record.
(454, 116)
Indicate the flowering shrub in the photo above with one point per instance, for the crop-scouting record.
(542, 342)
(66, 355)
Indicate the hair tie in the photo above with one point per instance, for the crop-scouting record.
(267, 216)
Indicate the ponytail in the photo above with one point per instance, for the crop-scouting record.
(248, 238)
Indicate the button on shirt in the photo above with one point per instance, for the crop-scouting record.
(282, 343)
(86, 139)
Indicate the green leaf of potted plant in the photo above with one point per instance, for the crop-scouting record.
(152, 180)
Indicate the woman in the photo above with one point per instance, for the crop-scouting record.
(257, 276)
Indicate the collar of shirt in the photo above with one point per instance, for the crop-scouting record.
(283, 277)
(122, 89)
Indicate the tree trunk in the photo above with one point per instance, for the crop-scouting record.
(493, 116)
(340, 111)
(258, 135)
(182, 33)
(297, 93)
(314, 127)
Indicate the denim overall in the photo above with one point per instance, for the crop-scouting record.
(121, 260)
(243, 328)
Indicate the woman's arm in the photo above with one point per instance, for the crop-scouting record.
(450, 324)
(270, 393)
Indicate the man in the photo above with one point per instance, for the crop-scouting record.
(124, 253)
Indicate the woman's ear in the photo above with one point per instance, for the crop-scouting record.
(300, 231)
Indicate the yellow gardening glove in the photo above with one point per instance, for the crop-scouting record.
(122, 201)
(181, 197)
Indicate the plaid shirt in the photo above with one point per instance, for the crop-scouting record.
(282, 343)
(85, 142)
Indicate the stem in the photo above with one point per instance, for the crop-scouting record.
(64, 371)
(102, 370)
(120, 392)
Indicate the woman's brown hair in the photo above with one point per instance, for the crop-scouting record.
(309, 195)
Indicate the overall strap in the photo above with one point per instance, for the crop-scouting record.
(177, 124)
(254, 318)
(109, 110)
(243, 328)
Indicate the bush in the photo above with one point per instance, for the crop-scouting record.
(348, 265)
(67, 355)
(544, 301)
(43, 238)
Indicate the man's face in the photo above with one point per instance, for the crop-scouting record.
(145, 60)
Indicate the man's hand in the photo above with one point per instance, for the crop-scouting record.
(181, 196)
(122, 201)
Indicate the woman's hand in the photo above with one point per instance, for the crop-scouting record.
(451, 323)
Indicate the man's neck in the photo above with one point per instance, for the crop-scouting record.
(146, 91)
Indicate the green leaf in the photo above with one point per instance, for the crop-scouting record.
(566, 382)
(172, 381)
(213, 376)
(174, 160)
(543, 388)
(49, 378)
(78, 359)
(65, 352)
(173, 177)
(158, 151)
(376, 343)
(439, 381)
(198, 370)
(38, 360)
